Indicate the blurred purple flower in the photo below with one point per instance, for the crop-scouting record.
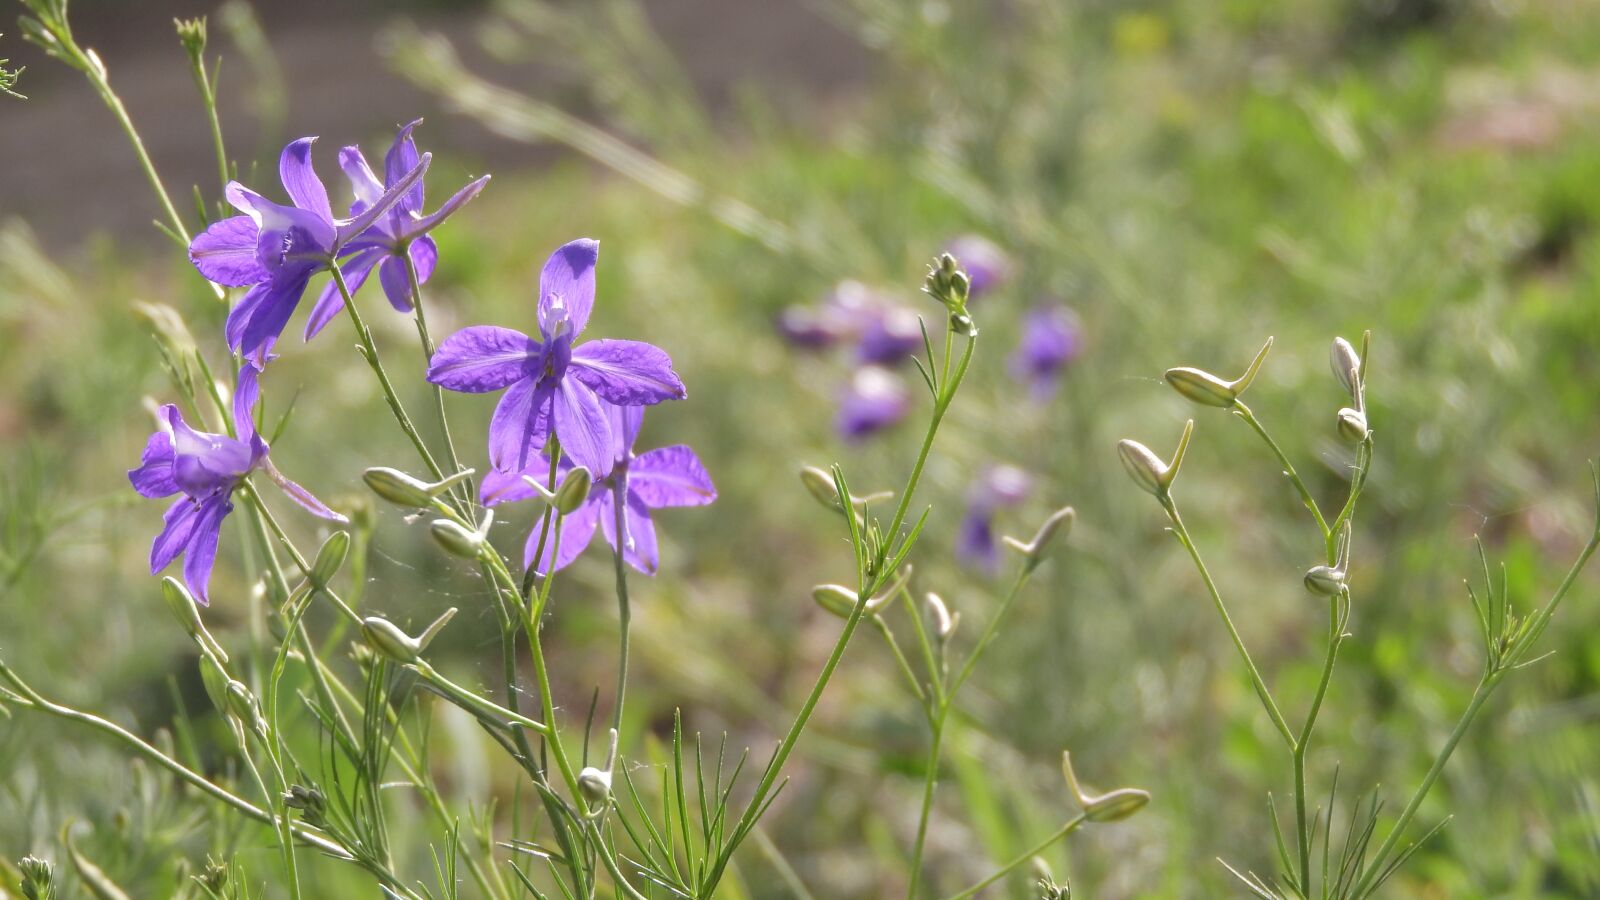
(275, 249)
(402, 232)
(668, 476)
(875, 399)
(550, 385)
(995, 488)
(841, 316)
(985, 263)
(890, 337)
(1051, 339)
(205, 468)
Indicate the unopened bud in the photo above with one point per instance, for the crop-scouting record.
(459, 540)
(1207, 389)
(187, 612)
(192, 35)
(1325, 581)
(1346, 364)
(944, 623)
(1352, 425)
(330, 558)
(1108, 807)
(835, 598)
(242, 704)
(310, 801)
(215, 681)
(404, 490)
(949, 285)
(820, 484)
(1060, 522)
(574, 489)
(595, 785)
(38, 878)
(386, 637)
(1146, 469)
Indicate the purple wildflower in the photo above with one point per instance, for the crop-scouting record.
(205, 468)
(1051, 340)
(550, 385)
(985, 263)
(276, 249)
(843, 315)
(400, 233)
(875, 399)
(890, 337)
(995, 488)
(668, 476)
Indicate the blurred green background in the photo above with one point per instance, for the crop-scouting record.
(1190, 177)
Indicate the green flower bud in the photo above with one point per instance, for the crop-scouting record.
(1207, 389)
(330, 558)
(242, 704)
(944, 622)
(1325, 581)
(595, 785)
(574, 489)
(835, 598)
(820, 484)
(38, 878)
(403, 490)
(949, 285)
(1059, 521)
(215, 680)
(1352, 425)
(192, 35)
(386, 637)
(1108, 807)
(458, 540)
(1146, 469)
(1346, 365)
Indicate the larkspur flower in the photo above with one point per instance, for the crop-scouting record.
(552, 386)
(986, 265)
(875, 399)
(1051, 339)
(275, 249)
(995, 488)
(205, 469)
(395, 236)
(843, 315)
(664, 477)
(890, 337)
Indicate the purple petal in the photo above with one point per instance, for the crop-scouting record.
(639, 543)
(246, 393)
(351, 229)
(875, 399)
(396, 282)
(226, 252)
(457, 200)
(365, 185)
(330, 302)
(285, 234)
(584, 426)
(300, 495)
(153, 477)
(975, 542)
(670, 476)
(202, 552)
(255, 324)
(179, 522)
(891, 338)
(520, 425)
(500, 487)
(625, 424)
(566, 286)
(300, 178)
(576, 530)
(484, 358)
(204, 463)
(627, 373)
(402, 158)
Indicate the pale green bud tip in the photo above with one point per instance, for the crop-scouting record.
(944, 623)
(1352, 425)
(1202, 387)
(595, 785)
(1060, 522)
(404, 490)
(386, 637)
(456, 540)
(241, 702)
(1346, 364)
(1109, 807)
(819, 484)
(1324, 581)
(192, 35)
(38, 876)
(215, 681)
(949, 285)
(1144, 467)
(330, 558)
(182, 605)
(835, 598)
(573, 491)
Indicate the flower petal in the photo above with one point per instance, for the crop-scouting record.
(567, 283)
(402, 158)
(330, 302)
(519, 426)
(584, 426)
(349, 230)
(300, 178)
(153, 477)
(300, 495)
(670, 476)
(226, 252)
(484, 358)
(365, 185)
(396, 282)
(246, 393)
(499, 487)
(202, 552)
(576, 530)
(639, 541)
(427, 223)
(627, 373)
(179, 522)
(255, 324)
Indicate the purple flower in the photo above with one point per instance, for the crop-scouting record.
(669, 476)
(401, 232)
(890, 337)
(985, 263)
(875, 399)
(276, 249)
(1051, 340)
(550, 385)
(844, 314)
(995, 488)
(205, 468)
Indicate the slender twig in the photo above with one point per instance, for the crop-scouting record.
(1037, 849)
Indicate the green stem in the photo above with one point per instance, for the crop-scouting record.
(992, 628)
(429, 349)
(930, 783)
(1243, 412)
(471, 702)
(624, 614)
(1039, 848)
(1335, 639)
(294, 553)
(1262, 690)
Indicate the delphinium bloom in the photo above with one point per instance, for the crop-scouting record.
(205, 469)
(552, 386)
(400, 233)
(875, 399)
(275, 249)
(843, 315)
(668, 476)
(1051, 339)
(995, 488)
(986, 265)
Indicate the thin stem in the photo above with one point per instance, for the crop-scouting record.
(624, 613)
(930, 783)
(991, 629)
(1262, 690)
(370, 353)
(1039, 848)
(1243, 412)
(948, 388)
(1335, 639)
(428, 350)
(294, 553)
(904, 665)
(471, 702)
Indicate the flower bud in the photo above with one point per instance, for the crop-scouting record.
(310, 801)
(330, 558)
(459, 540)
(574, 489)
(242, 703)
(1325, 581)
(1108, 807)
(38, 878)
(192, 35)
(1207, 389)
(386, 637)
(1146, 469)
(595, 785)
(215, 681)
(403, 490)
(1352, 425)
(1059, 521)
(835, 598)
(820, 485)
(944, 623)
(1346, 365)
(948, 284)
